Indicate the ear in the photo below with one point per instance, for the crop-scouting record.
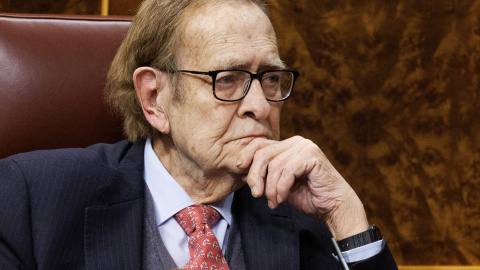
(153, 93)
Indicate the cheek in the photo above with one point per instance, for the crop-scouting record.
(217, 122)
(205, 117)
(274, 120)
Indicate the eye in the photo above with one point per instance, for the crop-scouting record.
(271, 78)
(226, 78)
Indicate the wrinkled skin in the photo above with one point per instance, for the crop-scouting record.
(211, 148)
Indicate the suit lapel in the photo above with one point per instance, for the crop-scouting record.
(113, 228)
(269, 238)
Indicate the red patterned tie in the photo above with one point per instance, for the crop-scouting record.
(205, 252)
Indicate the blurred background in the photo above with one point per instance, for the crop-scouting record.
(390, 91)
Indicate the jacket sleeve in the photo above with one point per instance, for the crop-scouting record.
(382, 261)
(16, 249)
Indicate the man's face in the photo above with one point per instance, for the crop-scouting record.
(208, 132)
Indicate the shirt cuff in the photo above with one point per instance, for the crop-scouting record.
(363, 252)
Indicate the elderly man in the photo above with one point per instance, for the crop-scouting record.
(203, 182)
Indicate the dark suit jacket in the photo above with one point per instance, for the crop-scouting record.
(84, 209)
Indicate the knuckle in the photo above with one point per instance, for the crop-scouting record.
(260, 154)
(283, 187)
(275, 164)
(287, 177)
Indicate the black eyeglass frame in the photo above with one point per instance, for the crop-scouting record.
(259, 76)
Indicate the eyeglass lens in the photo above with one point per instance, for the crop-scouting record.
(233, 85)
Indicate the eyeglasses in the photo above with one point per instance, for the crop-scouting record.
(233, 85)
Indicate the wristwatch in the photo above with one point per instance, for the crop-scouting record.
(369, 236)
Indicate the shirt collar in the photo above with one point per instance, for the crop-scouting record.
(168, 195)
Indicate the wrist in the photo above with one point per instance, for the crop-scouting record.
(371, 235)
(348, 219)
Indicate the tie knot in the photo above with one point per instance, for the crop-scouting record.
(195, 215)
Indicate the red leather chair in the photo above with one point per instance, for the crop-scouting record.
(52, 74)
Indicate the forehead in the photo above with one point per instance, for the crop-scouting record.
(229, 35)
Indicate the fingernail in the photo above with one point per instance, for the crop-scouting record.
(270, 205)
(240, 162)
(279, 199)
(255, 192)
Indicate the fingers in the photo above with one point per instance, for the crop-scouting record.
(297, 170)
(256, 177)
(283, 172)
(274, 167)
(247, 154)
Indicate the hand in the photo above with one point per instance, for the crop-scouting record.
(297, 171)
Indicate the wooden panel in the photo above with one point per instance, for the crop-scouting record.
(123, 7)
(51, 6)
(391, 92)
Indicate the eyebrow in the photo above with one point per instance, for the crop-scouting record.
(240, 64)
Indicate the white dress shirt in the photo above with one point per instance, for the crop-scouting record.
(169, 198)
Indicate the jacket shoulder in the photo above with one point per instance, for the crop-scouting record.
(101, 153)
(44, 196)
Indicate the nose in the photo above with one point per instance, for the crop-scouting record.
(255, 104)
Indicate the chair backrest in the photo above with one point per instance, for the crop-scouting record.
(52, 75)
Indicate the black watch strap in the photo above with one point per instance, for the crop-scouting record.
(369, 236)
